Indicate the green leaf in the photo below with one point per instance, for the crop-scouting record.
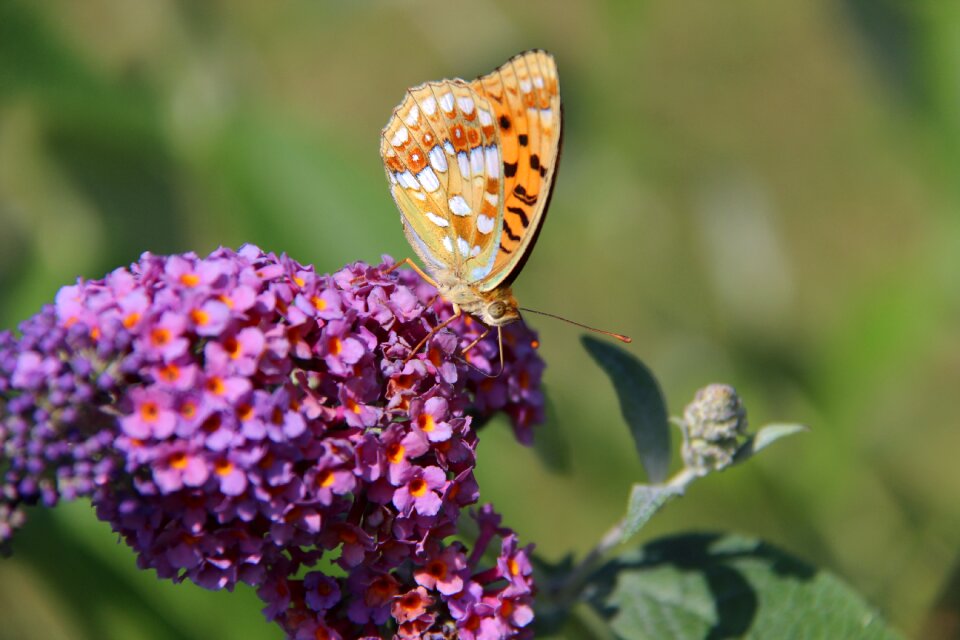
(716, 586)
(765, 437)
(645, 500)
(641, 403)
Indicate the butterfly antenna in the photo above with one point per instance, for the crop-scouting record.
(618, 336)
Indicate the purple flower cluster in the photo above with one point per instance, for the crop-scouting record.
(238, 417)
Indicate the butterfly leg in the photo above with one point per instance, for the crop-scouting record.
(475, 342)
(456, 314)
(413, 265)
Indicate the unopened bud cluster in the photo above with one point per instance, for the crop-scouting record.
(714, 425)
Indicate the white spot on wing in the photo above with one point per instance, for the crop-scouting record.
(476, 161)
(484, 224)
(446, 101)
(483, 270)
(438, 159)
(449, 148)
(491, 198)
(546, 115)
(464, 163)
(429, 105)
(420, 195)
(492, 155)
(429, 180)
(525, 86)
(538, 82)
(463, 246)
(400, 137)
(406, 179)
(413, 116)
(447, 244)
(486, 118)
(475, 251)
(437, 220)
(459, 206)
(466, 104)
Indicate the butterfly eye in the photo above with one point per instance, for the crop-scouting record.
(496, 310)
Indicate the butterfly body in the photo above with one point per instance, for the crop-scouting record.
(471, 167)
(494, 308)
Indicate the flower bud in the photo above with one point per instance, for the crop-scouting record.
(712, 426)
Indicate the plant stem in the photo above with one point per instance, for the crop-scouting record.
(567, 590)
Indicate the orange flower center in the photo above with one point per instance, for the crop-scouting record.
(245, 412)
(232, 346)
(131, 319)
(325, 478)
(426, 422)
(199, 317)
(189, 279)
(410, 601)
(149, 411)
(216, 386)
(170, 373)
(395, 452)
(381, 590)
(178, 461)
(334, 346)
(437, 569)
(160, 336)
(418, 487)
(223, 467)
(353, 406)
(188, 409)
(318, 303)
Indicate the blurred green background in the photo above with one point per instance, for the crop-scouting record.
(760, 193)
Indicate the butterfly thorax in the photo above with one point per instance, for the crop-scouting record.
(494, 308)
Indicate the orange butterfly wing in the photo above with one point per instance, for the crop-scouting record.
(442, 156)
(525, 96)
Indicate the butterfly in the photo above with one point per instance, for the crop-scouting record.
(471, 168)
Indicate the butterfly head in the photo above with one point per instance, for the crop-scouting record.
(494, 308)
(500, 311)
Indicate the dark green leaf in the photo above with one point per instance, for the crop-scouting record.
(641, 403)
(645, 500)
(715, 586)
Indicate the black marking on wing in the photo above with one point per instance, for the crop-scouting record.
(524, 220)
(523, 139)
(509, 169)
(543, 215)
(534, 161)
(521, 194)
(510, 233)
